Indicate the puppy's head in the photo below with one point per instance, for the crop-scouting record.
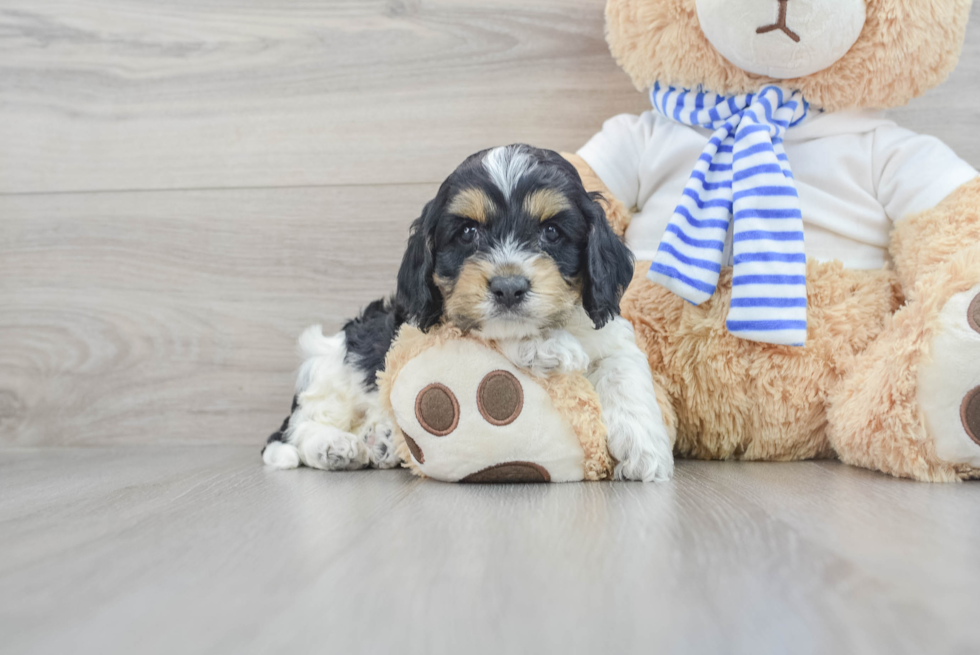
(512, 244)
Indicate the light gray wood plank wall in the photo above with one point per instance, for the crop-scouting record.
(184, 186)
(136, 94)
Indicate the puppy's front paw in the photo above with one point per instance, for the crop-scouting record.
(643, 451)
(560, 352)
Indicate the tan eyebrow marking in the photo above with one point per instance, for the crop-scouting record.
(473, 204)
(546, 203)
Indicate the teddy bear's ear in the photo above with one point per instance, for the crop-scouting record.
(608, 266)
(417, 292)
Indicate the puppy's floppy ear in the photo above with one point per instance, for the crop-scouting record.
(608, 266)
(417, 292)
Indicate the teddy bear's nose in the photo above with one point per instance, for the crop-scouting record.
(780, 24)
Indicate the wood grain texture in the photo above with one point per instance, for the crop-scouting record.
(202, 550)
(173, 317)
(135, 94)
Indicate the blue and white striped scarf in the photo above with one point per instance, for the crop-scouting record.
(743, 174)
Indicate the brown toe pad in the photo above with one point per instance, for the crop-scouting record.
(437, 409)
(510, 472)
(970, 413)
(415, 450)
(500, 398)
(973, 314)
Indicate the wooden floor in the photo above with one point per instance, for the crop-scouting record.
(201, 550)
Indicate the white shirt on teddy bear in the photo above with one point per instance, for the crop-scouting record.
(856, 173)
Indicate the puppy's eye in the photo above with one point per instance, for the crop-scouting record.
(550, 234)
(469, 234)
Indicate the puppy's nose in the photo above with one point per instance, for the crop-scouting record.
(509, 290)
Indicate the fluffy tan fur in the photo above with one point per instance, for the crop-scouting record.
(738, 399)
(462, 297)
(556, 297)
(906, 48)
(618, 214)
(921, 243)
(571, 395)
(553, 297)
(473, 204)
(545, 203)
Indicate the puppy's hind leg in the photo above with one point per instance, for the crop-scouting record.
(280, 455)
(329, 400)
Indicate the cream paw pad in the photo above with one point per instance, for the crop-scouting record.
(464, 413)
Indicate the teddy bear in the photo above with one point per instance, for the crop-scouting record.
(808, 272)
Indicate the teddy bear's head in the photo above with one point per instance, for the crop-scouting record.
(842, 54)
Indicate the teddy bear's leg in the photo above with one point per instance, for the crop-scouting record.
(618, 214)
(910, 405)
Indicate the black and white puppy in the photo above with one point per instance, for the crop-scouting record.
(514, 249)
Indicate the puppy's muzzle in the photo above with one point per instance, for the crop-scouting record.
(509, 291)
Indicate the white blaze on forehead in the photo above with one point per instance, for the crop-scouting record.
(506, 166)
(510, 253)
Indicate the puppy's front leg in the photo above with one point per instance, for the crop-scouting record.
(556, 352)
(621, 376)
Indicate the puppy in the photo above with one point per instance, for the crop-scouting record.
(514, 249)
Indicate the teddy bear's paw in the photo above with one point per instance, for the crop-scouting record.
(559, 352)
(949, 381)
(328, 448)
(378, 437)
(468, 414)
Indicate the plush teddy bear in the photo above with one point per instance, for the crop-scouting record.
(464, 413)
(808, 277)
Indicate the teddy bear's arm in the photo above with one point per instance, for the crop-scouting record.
(616, 212)
(922, 242)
